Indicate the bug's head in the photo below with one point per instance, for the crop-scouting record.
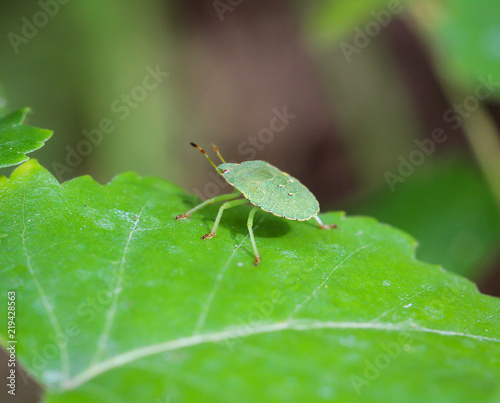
(226, 167)
(222, 168)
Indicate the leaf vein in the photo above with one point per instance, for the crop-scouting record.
(206, 307)
(65, 366)
(103, 339)
(299, 306)
(404, 301)
(238, 332)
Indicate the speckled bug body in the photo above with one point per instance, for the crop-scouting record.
(272, 190)
(267, 188)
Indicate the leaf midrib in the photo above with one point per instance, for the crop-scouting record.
(237, 332)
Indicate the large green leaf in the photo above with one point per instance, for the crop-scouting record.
(17, 139)
(119, 302)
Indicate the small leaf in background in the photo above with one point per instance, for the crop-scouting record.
(17, 139)
(119, 302)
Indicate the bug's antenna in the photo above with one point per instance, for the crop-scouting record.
(218, 153)
(204, 153)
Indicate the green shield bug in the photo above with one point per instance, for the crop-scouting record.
(264, 186)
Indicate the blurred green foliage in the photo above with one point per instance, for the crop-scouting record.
(457, 220)
(447, 204)
(468, 41)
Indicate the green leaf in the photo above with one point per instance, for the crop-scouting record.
(17, 139)
(118, 301)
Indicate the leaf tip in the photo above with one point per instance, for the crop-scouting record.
(30, 167)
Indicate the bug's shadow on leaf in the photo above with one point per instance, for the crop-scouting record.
(270, 226)
(188, 200)
(265, 225)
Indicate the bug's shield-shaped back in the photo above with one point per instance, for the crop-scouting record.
(272, 190)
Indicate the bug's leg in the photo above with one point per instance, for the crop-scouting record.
(225, 206)
(250, 231)
(324, 226)
(209, 201)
